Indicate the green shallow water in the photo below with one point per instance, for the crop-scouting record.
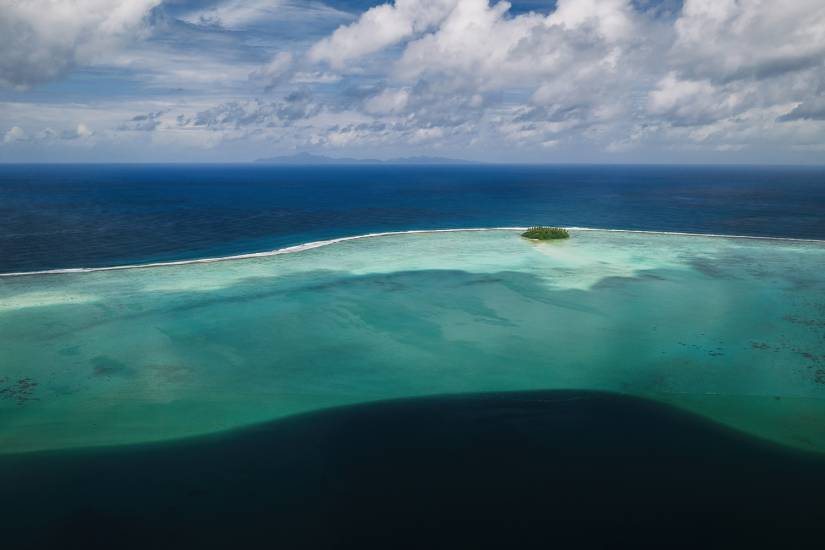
(733, 329)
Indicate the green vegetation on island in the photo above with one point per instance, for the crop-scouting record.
(546, 233)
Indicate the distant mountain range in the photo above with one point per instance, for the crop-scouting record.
(310, 159)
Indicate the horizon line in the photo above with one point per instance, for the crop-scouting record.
(390, 162)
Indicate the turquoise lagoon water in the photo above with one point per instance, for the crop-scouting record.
(730, 328)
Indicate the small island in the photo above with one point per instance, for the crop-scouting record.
(541, 233)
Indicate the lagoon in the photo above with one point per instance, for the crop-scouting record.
(729, 328)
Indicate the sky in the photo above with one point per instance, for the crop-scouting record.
(581, 81)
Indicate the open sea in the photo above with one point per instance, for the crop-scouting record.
(452, 388)
(61, 216)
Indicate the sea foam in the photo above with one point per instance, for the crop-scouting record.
(318, 244)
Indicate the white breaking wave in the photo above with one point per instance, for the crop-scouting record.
(319, 244)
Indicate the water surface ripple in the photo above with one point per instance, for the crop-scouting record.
(730, 328)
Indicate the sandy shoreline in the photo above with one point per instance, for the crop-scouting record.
(319, 244)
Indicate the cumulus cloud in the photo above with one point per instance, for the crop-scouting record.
(42, 39)
(580, 48)
(256, 113)
(387, 101)
(743, 39)
(47, 135)
(690, 102)
(379, 27)
(81, 132)
(613, 75)
(608, 73)
(734, 64)
(144, 122)
(617, 77)
(462, 54)
(15, 133)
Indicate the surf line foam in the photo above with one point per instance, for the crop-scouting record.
(276, 252)
(318, 244)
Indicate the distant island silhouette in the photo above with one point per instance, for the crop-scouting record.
(309, 158)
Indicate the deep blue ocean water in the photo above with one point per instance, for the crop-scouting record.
(590, 469)
(59, 216)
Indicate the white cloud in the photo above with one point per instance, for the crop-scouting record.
(275, 69)
(388, 101)
(594, 69)
(234, 14)
(478, 40)
(242, 14)
(737, 69)
(612, 19)
(426, 134)
(380, 27)
(15, 133)
(810, 109)
(160, 66)
(740, 39)
(694, 101)
(475, 41)
(83, 131)
(315, 77)
(574, 62)
(602, 77)
(42, 39)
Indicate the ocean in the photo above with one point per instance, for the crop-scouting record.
(455, 387)
(63, 216)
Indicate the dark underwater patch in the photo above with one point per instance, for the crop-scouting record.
(20, 390)
(105, 366)
(456, 469)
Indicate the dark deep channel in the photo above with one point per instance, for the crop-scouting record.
(456, 468)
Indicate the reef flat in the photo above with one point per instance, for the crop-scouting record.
(732, 329)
